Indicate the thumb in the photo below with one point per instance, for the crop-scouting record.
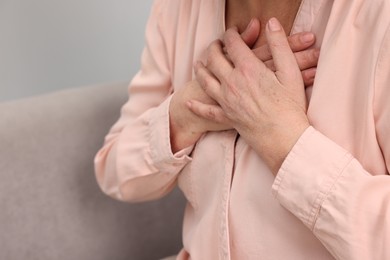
(251, 32)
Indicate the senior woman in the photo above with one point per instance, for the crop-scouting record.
(247, 126)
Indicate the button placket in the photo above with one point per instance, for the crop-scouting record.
(225, 195)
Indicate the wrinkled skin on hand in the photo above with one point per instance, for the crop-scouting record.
(266, 107)
(187, 127)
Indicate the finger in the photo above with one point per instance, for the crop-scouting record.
(301, 41)
(286, 66)
(309, 76)
(251, 33)
(298, 42)
(207, 81)
(307, 59)
(217, 61)
(238, 51)
(210, 112)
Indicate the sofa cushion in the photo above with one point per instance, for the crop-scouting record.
(51, 206)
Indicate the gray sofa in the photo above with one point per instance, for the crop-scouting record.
(50, 204)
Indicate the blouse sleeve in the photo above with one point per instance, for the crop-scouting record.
(136, 162)
(345, 206)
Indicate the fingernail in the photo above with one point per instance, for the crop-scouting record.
(274, 25)
(250, 23)
(307, 37)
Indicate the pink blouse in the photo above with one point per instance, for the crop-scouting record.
(331, 197)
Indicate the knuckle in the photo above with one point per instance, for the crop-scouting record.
(200, 76)
(315, 55)
(303, 59)
(204, 86)
(216, 45)
(210, 113)
(204, 80)
(228, 37)
(311, 56)
(211, 58)
(306, 58)
(294, 42)
(231, 38)
(207, 83)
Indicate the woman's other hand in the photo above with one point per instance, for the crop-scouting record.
(267, 108)
(185, 126)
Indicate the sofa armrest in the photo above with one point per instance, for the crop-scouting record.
(51, 206)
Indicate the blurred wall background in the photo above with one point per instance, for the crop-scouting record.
(46, 45)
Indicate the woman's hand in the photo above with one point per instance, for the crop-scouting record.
(186, 127)
(267, 108)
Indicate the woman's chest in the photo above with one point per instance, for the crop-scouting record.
(341, 100)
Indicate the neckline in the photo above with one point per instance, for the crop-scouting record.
(223, 16)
